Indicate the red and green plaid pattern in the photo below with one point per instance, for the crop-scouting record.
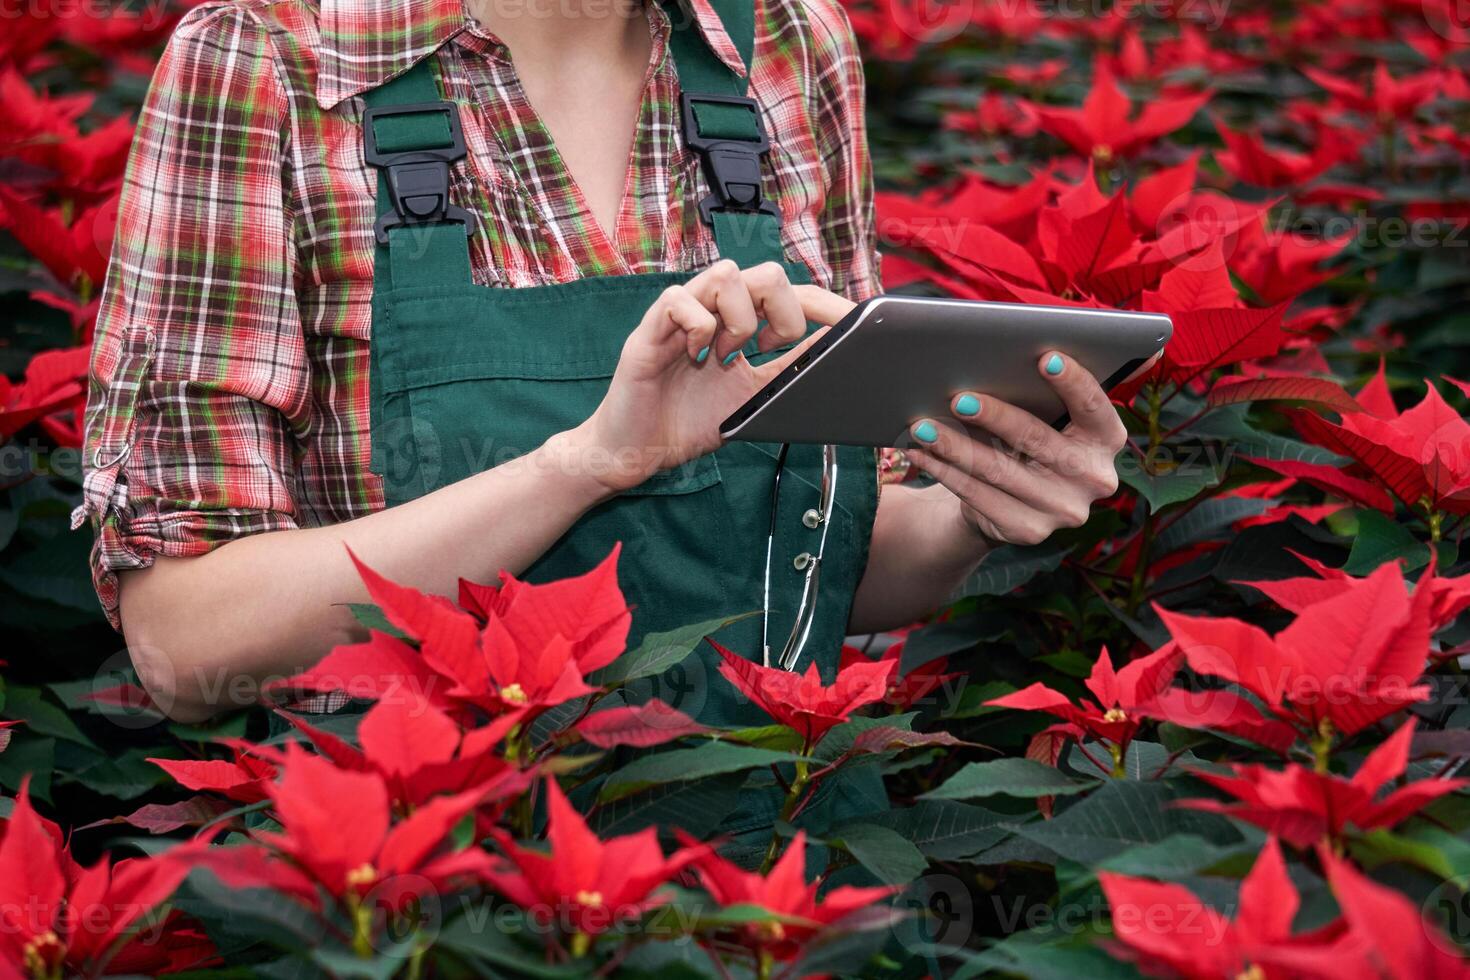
(229, 390)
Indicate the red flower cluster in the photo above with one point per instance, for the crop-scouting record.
(456, 750)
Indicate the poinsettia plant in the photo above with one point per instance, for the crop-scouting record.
(1219, 731)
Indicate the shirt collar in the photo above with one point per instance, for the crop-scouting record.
(367, 42)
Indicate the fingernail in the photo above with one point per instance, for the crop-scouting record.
(699, 358)
(733, 354)
(968, 406)
(1054, 365)
(926, 431)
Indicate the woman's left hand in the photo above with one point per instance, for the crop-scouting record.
(1016, 478)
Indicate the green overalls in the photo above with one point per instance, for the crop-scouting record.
(464, 377)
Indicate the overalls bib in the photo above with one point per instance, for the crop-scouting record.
(464, 377)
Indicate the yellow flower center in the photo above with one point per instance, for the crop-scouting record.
(513, 694)
(364, 874)
(1115, 715)
(593, 899)
(1102, 153)
(43, 955)
(1251, 972)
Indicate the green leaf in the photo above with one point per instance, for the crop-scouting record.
(345, 964)
(1009, 567)
(42, 716)
(1174, 856)
(778, 737)
(954, 635)
(490, 941)
(1041, 962)
(1123, 814)
(698, 806)
(372, 617)
(710, 759)
(54, 570)
(1231, 427)
(1379, 846)
(845, 947)
(29, 756)
(1210, 519)
(1007, 777)
(892, 858)
(943, 829)
(972, 700)
(241, 918)
(1381, 539)
(841, 737)
(660, 651)
(123, 776)
(1186, 481)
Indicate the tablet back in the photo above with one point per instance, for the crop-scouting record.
(903, 358)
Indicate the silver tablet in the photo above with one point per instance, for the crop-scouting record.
(896, 359)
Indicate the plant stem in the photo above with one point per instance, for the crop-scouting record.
(793, 797)
(1322, 746)
(1137, 588)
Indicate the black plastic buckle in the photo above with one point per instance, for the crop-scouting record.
(418, 180)
(732, 167)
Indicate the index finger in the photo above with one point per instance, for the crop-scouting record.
(1089, 407)
(821, 306)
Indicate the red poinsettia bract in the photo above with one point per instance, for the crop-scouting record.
(1302, 806)
(57, 917)
(339, 840)
(1115, 716)
(801, 701)
(1343, 664)
(1102, 128)
(420, 752)
(1170, 931)
(583, 884)
(785, 892)
(1394, 939)
(1422, 455)
(529, 648)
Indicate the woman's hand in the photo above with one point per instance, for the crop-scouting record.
(672, 387)
(1016, 478)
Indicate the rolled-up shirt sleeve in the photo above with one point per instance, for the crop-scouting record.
(849, 230)
(199, 392)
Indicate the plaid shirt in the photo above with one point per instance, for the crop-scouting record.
(229, 379)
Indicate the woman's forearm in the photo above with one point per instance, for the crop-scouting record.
(205, 633)
(922, 550)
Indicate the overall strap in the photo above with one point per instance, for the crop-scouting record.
(412, 135)
(723, 125)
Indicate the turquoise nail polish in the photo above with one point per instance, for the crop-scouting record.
(699, 358)
(733, 354)
(968, 406)
(926, 432)
(1054, 365)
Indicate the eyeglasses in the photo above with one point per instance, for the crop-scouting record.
(811, 564)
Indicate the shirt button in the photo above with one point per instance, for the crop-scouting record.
(812, 517)
(801, 561)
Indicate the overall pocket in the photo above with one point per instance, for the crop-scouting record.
(470, 378)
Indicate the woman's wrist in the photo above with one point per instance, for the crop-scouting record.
(580, 465)
(961, 537)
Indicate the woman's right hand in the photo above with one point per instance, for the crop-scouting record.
(672, 387)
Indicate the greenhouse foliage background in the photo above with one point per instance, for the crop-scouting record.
(1217, 732)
